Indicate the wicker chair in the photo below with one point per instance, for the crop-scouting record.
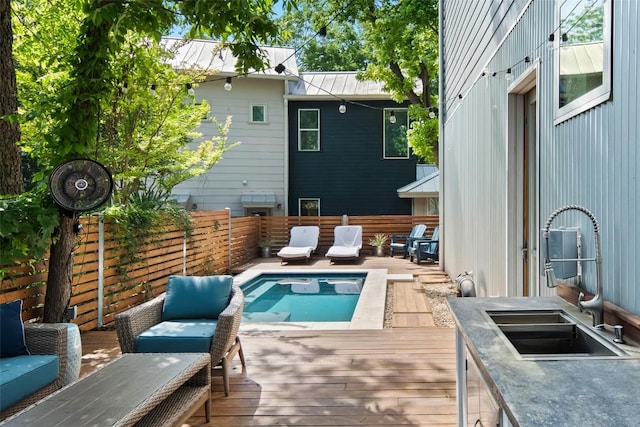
(224, 345)
(43, 338)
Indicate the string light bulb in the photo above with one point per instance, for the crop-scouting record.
(227, 84)
(125, 88)
(280, 68)
(342, 108)
(432, 114)
(508, 76)
(392, 117)
(153, 90)
(190, 90)
(551, 41)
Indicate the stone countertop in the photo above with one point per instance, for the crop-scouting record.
(585, 392)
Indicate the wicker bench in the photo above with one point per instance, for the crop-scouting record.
(133, 390)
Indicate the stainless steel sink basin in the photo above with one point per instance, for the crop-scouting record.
(551, 335)
(567, 340)
(529, 317)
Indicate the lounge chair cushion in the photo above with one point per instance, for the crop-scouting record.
(295, 252)
(11, 330)
(21, 376)
(347, 242)
(343, 252)
(196, 297)
(303, 241)
(177, 336)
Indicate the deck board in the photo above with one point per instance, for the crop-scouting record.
(404, 375)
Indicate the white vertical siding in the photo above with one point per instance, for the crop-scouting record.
(258, 159)
(591, 160)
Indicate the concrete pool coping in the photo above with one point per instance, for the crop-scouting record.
(368, 314)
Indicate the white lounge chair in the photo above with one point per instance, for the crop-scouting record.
(303, 242)
(347, 243)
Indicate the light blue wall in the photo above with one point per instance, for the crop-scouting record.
(591, 160)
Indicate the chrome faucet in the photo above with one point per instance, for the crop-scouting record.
(594, 306)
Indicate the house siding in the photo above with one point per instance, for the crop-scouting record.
(590, 160)
(349, 174)
(259, 158)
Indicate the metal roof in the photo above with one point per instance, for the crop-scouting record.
(582, 58)
(341, 84)
(428, 186)
(209, 55)
(256, 199)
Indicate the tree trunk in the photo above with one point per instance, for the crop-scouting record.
(60, 276)
(10, 165)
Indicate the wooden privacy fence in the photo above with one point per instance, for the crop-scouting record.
(108, 279)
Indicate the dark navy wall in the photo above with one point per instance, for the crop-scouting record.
(348, 174)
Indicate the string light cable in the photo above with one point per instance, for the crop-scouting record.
(508, 72)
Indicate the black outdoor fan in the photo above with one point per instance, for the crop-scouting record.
(80, 185)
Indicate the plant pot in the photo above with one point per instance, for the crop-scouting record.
(265, 252)
(379, 250)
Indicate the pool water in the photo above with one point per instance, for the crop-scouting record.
(302, 297)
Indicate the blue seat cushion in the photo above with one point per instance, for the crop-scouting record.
(12, 330)
(21, 376)
(196, 297)
(177, 336)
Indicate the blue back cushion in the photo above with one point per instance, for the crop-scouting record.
(11, 330)
(177, 336)
(196, 297)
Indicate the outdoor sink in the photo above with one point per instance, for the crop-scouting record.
(551, 335)
(529, 317)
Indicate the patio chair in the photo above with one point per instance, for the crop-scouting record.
(402, 243)
(303, 242)
(347, 242)
(424, 249)
(194, 315)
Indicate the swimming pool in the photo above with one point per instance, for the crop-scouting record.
(286, 299)
(302, 297)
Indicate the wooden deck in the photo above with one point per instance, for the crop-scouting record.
(404, 375)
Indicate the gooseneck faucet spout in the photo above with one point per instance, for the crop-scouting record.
(594, 306)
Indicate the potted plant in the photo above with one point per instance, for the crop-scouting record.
(265, 247)
(378, 241)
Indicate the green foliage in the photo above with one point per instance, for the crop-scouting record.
(266, 243)
(147, 139)
(72, 56)
(136, 222)
(423, 134)
(378, 239)
(341, 49)
(26, 224)
(388, 41)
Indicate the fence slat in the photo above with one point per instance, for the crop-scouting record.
(216, 244)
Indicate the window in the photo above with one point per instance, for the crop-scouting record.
(309, 130)
(583, 56)
(396, 144)
(308, 207)
(258, 114)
